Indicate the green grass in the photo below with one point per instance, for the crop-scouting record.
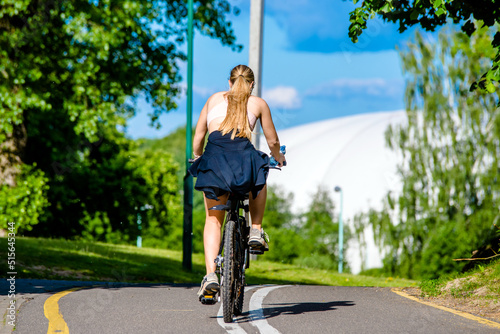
(78, 260)
(483, 283)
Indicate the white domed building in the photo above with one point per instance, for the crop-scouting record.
(349, 152)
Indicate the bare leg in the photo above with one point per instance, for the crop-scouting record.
(257, 207)
(212, 231)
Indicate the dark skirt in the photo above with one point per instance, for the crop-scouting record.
(230, 165)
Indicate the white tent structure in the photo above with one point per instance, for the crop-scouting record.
(349, 152)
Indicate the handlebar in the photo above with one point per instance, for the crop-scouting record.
(273, 162)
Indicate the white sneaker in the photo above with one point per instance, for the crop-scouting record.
(258, 240)
(209, 285)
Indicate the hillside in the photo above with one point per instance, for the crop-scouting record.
(174, 143)
(476, 292)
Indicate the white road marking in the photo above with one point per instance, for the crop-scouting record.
(257, 318)
(232, 328)
(257, 314)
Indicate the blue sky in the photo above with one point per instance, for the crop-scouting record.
(311, 70)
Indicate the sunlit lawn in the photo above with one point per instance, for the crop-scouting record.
(77, 260)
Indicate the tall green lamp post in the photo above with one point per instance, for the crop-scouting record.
(187, 238)
(341, 230)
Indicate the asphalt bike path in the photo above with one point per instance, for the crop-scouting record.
(57, 307)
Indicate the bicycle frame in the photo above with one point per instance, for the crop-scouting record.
(233, 207)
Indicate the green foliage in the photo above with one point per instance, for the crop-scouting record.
(24, 203)
(432, 287)
(498, 233)
(309, 239)
(97, 227)
(317, 260)
(162, 194)
(100, 195)
(278, 212)
(450, 149)
(286, 244)
(85, 58)
(479, 286)
(496, 271)
(320, 228)
(70, 72)
(286, 241)
(473, 16)
(374, 272)
(174, 144)
(95, 261)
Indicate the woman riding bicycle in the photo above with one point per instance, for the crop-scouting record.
(231, 163)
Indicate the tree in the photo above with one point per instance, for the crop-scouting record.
(24, 203)
(70, 72)
(429, 14)
(174, 144)
(319, 224)
(450, 149)
(286, 239)
(321, 230)
(309, 239)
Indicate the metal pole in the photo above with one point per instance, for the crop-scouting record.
(255, 54)
(187, 238)
(341, 233)
(341, 230)
(139, 228)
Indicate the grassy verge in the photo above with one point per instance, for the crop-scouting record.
(76, 260)
(476, 291)
(484, 282)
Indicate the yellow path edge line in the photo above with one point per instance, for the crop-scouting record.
(53, 314)
(456, 312)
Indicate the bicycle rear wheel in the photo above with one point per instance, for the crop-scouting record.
(229, 272)
(240, 296)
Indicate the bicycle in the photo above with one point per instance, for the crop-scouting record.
(234, 254)
(233, 257)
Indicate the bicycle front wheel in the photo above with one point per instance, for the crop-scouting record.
(229, 271)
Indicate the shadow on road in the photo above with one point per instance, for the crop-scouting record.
(299, 308)
(274, 310)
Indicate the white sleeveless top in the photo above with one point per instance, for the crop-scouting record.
(220, 110)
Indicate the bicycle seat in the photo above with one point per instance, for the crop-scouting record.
(223, 207)
(227, 206)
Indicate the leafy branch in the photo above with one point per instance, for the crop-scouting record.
(430, 14)
(478, 259)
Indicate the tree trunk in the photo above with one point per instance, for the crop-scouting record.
(11, 153)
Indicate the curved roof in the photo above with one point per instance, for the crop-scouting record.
(349, 152)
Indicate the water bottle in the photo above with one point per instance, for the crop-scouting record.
(273, 162)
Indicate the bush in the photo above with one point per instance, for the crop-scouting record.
(24, 203)
(320, 261)
(309, 239)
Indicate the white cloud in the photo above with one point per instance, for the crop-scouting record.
(204, 92)
(376, 87)
(282, 97)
